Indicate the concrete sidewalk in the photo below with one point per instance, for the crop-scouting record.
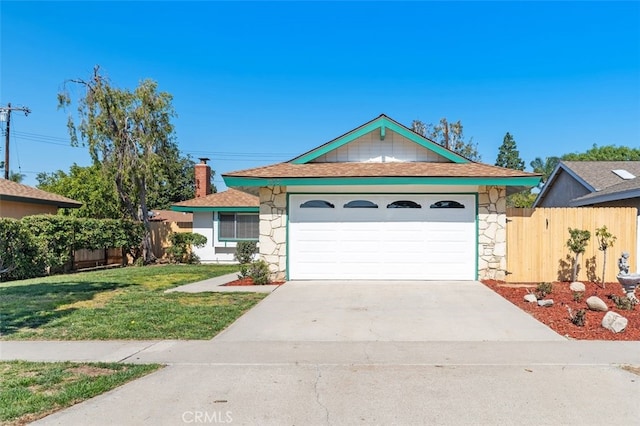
(217, 284)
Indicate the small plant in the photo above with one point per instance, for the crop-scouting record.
(258, 271)
(181, 246)
(578, 318)
(543, 289)
(605, 240)
(577, 243)
(578, 296)
(245, 250)
(623, 302)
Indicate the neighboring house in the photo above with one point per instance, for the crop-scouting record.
(379, 202)
(592, 183)
(165, 222)
(18, 200)
(224, 217)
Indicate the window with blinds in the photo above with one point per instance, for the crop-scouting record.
(238, 226)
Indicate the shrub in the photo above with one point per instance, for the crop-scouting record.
(245, 250)
(258, 271)
(543, 289)
(623, 302)
(577, 243)
(181, 244)
(578, 296)
(578, 318)
(20, 253)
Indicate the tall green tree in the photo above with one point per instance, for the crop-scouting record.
(544, 167)
(89, 185)
(449, 135)
(129, 133)
(508, 155)
(605, 153)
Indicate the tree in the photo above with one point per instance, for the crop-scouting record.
(545, 167)
(130, 134)
(605, 153)
(16, 177)
(605, 240)
(89, 185)
(449, 135)
(577, 243)
(509, 156)
(522, 199)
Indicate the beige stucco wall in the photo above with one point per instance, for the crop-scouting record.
(17, 210)
(492, 232)
(273, 230)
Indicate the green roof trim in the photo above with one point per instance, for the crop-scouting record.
(531, 181)
(381, 123)
(215, 209)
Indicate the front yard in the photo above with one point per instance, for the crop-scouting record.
(123, 303)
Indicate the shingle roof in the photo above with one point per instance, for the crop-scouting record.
(171, 216)
(14, 191)
(229, 198)
(405, 169)
(599, 174)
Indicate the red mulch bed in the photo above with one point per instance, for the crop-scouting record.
(557, 316)
(249, 281)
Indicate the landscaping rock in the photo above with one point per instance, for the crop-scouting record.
(576, 286)
(546, 303)
(596, 304)
(530, 297)
(614, 322)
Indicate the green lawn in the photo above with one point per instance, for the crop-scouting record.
(123, 303)
(31, 390)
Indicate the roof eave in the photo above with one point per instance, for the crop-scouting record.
(194, 209)
(526, 181)
(604, 198)
(59, 204)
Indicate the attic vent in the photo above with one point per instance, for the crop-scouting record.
(623, 174)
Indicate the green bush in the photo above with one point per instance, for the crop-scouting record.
(55, 237)
(543, 289)
(20, 253)
(181, 244)
(258, 271)
(578, 318)
(623, 302)
(245, 250)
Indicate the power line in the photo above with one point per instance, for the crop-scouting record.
(5, 115)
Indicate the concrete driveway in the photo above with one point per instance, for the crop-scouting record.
(391, 311)
(404, 353)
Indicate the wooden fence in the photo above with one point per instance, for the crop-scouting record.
(160, 235)
(93, 258)
(537, 249)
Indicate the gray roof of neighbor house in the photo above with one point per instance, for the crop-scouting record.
(600, 178)
(13, 191)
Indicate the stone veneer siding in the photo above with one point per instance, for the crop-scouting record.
(273, 230)
(492, 232)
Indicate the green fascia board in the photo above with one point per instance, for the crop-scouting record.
(216, 209)
(381, 123)
(232, 181)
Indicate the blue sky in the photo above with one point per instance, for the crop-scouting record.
(259, 83)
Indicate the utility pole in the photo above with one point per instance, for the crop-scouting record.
(5, 115)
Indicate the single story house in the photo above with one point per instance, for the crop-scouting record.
(592, 183)
(18, 200)
(223, 217)
(378, 202)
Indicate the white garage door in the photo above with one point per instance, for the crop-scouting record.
(364, 236)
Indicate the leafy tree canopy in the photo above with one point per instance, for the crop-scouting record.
(449, 135)
(130, 134)
(605, 153)
(509, 156)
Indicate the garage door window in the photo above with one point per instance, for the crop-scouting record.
(446, 204)
(237, 226)
(404, 204)
(360, 204)
(317, 204)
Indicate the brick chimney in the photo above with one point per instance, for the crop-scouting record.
(203, 178)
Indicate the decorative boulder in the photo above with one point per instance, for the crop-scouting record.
(545, 303)
(596, 304)
(530, 297)
(577, 286)
(614, 322)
